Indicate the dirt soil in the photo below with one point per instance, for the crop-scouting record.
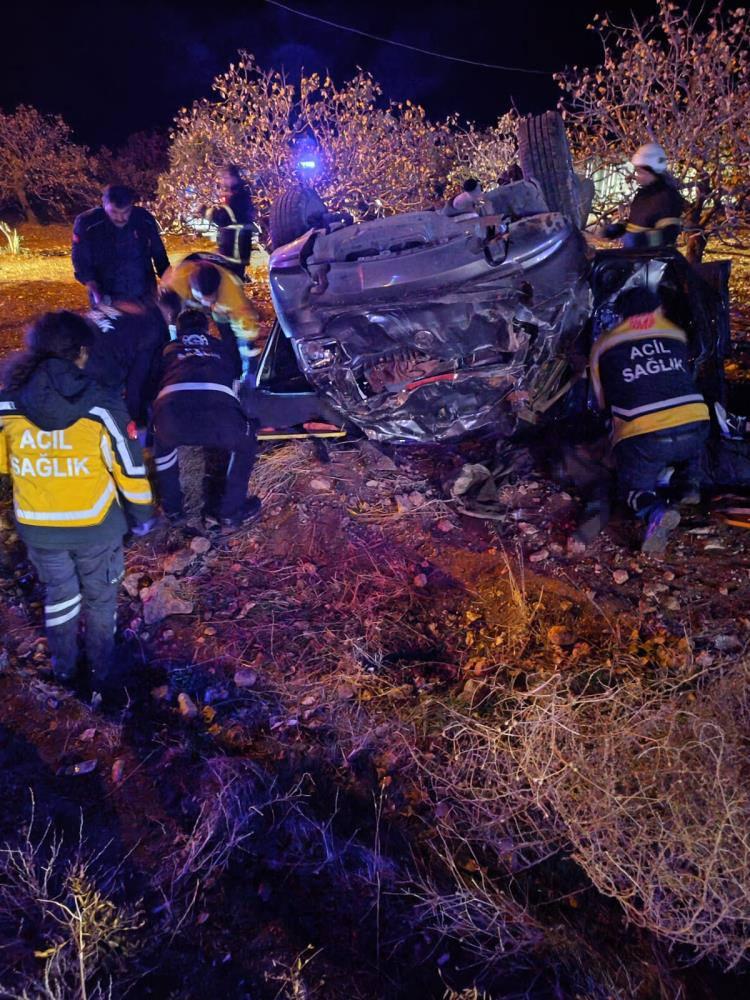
(264, 796)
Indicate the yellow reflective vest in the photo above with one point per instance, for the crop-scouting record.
(70, 485)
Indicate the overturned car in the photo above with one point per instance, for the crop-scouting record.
(426, 326)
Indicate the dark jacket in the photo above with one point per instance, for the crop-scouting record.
(64, 443)
(198, 372)
(654, 219)
(122, 260)
(640, 372)
(234, 220)
(127, 353)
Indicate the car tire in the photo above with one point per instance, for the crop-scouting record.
(544, 155)
(292, 214)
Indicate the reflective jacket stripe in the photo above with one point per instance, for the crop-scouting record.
(120, 443)
(674, 417)
(196, 387)
(661, 405)
(70, 516)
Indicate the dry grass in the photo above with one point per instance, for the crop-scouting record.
(65, 899)
(651, 785)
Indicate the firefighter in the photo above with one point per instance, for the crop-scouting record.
(117, 249)
(640, 372)
(75, 474)
(202, 282)
(196, 405)
(655, 214)
(234, 218)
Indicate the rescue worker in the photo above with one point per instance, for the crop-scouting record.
(655, 214)
(470, 198)
(234, 219)
(640, 372)
(117, 249)
(127, 351)
(202, 282)
(75, 474)
(196, 405)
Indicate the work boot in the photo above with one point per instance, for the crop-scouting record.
(247, 514)
(690, 495)
(661, 523)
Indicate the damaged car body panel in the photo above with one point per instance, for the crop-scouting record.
(422, 327)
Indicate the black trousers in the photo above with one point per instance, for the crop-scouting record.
(642, 459)
(208, 419)
(81, 583)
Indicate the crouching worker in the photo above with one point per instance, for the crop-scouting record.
(211, 286)
(640, 373)
(75, 473)
(196, 405)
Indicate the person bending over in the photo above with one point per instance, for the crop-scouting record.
(196, 405)
(640, 373)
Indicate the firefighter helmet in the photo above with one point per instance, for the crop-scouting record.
(651, 156)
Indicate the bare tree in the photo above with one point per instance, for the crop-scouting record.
(375, 156)
(41, 168)
(138, 162)
(681, 80)
(484, 153)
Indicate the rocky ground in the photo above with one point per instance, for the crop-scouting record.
(339, 771)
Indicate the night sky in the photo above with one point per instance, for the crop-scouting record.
(114, 67)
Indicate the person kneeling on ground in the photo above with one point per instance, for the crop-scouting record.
(196, 405)
(213, 288)
(640, 373)
(74, 470)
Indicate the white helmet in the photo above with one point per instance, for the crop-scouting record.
(650, 155)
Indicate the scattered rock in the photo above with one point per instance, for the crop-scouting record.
(87, 735)
(178, 561)
(160, 601)
(187, 706)
(245, 677)
(209, 630)
(375, 458)
(345, 692)
(321, 485)
(558, 635)
(200, 545)
(420, 580)
(539, 556)
(132, 584)
(472, 692)
(82, 767)
(445, 525)
(727, 643)
(621, 576)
